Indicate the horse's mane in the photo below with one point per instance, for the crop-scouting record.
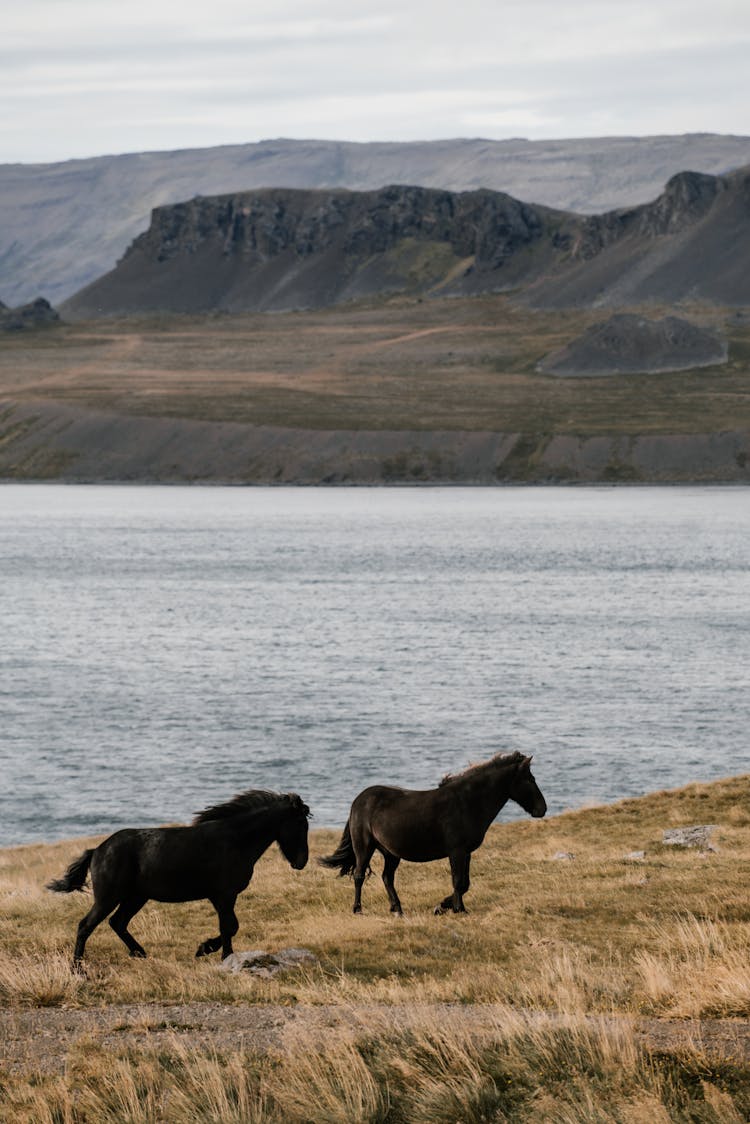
(499, 759)
(254, 800)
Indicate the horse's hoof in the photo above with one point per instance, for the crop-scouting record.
(138, 954)
(357, 909)
(438, 911)
(201, 951)
(79, 969)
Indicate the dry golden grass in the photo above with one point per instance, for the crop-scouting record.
(422, 1072)
(395, 364)
(596, 934)
(551, 942)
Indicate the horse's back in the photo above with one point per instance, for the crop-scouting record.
(390, 794)
(138, 855)
(407, 822)
(119, 842)
(115, 860)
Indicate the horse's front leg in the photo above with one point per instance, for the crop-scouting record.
(460, 876)
(228, 926)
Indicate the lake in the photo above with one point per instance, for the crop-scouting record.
(166, 647)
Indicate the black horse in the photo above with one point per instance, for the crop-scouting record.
(212, 858)
(448, 821)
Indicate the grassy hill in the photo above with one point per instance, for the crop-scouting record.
(554, 999)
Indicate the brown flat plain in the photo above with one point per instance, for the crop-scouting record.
(431, 364)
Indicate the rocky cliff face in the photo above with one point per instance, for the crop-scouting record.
(486, 225)
(280, 248)
(686, 199)
(691, 243)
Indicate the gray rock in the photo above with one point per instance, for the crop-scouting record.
(269, 964)
(635, 856)
(564, 856)
(697, 836)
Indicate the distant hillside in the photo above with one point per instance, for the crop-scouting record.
(282, 249)
(692, 243)
(63, 225)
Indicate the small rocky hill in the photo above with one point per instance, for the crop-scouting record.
(37, 314)
(282, 249)
(628, 344)
(63, 225)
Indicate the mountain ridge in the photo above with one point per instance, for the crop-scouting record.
(279, 249)
(64, 224)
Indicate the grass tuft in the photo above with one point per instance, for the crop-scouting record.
(38, 979)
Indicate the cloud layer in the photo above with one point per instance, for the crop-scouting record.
(87, 77)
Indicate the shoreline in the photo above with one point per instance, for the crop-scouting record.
(48, 441)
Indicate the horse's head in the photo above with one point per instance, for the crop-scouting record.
(525, 791)
(292, 836)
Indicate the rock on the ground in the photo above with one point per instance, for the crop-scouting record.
(698, 836)
(269, 964)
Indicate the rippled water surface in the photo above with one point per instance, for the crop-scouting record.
(164, 648)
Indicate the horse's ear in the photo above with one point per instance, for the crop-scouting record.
(527, 761)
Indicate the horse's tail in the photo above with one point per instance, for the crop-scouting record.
(343, 858)
(74, 876)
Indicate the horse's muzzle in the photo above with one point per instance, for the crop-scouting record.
(539, 810)
(299, 863)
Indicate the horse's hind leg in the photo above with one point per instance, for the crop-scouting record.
(120, 920)
(99, 910)
(211, 944)
(390, 864)
(460, 874)
(363, 851)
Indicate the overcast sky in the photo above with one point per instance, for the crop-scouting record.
(89, 77)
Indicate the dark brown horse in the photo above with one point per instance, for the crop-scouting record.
(212, 858)
(419, 826)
